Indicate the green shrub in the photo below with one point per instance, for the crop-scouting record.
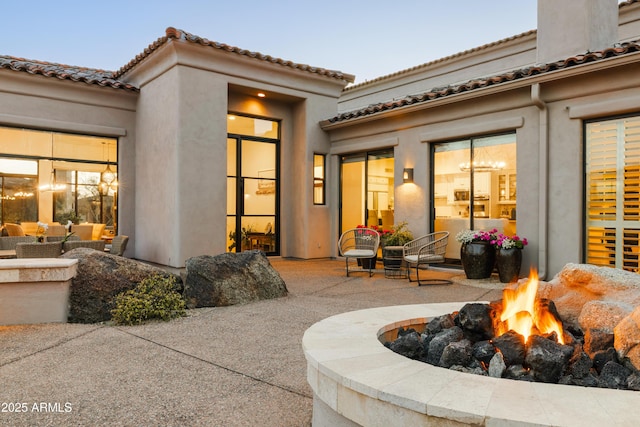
(399, 235)
(153, 298)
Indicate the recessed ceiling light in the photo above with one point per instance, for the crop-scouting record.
(261, 95)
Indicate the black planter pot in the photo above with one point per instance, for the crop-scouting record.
(392, 256)
(508, 262)
(369, 263)
(478, 259)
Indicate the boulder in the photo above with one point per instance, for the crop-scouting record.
(603, 315)
(100, 277)
(627, 338)
(230, 279)
(578, 284)
(600, 298)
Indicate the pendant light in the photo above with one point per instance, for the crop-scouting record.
(107, 176)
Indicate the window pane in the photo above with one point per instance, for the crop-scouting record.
(19, 201)
(318, 179)
(251, 126)
(231, 157)
(18, 167)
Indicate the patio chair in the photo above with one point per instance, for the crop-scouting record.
(98, 245)
(39, 250)
(10, 242)
(118, 245)
(359, 243)
(424, 251)
(61, 238)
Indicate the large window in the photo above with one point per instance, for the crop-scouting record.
(612, 186)
(53, 176)
(474, 187)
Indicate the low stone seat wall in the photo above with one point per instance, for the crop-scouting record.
(35, 290)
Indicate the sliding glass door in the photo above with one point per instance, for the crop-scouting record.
(367, 190)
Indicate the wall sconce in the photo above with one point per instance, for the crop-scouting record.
(407, 175)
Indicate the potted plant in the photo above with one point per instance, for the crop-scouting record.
(399, 235)
(509, 256)
(392, 242)
(477, 253)
(41, 231)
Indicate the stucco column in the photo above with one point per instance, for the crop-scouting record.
(568, 28)
(181, 167)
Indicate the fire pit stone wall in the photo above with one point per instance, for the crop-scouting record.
(358, 381)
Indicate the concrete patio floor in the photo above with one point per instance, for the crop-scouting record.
(222, 366)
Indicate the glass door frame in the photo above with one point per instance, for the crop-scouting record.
(240, 190)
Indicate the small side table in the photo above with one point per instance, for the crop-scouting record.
(394, 265)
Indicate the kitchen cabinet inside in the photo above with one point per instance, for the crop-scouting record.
(507, 186)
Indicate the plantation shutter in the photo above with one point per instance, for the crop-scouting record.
(613, 193)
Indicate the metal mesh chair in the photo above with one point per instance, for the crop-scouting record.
(426, 250)
(359, 243)
(39, 250)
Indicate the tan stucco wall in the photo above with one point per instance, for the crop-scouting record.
(576, 27)
(181, 179)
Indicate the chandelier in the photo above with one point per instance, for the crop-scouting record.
(482, 166)
(481, 162)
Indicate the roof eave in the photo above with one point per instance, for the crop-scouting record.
(576, 70)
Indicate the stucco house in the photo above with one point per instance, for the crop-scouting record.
(217, 148)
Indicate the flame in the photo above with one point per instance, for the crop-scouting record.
(522, 313)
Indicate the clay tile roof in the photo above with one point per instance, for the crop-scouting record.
(522, 73)
(90, 76)
(173, 33)
(440, 60)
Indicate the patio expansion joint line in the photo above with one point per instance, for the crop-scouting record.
(57, 344)
(335, 285)
(481, 297)
(208, 362)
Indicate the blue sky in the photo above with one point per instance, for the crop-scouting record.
(368, 38)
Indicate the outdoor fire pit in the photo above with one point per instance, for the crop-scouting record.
(519, 337)
(356, 380)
